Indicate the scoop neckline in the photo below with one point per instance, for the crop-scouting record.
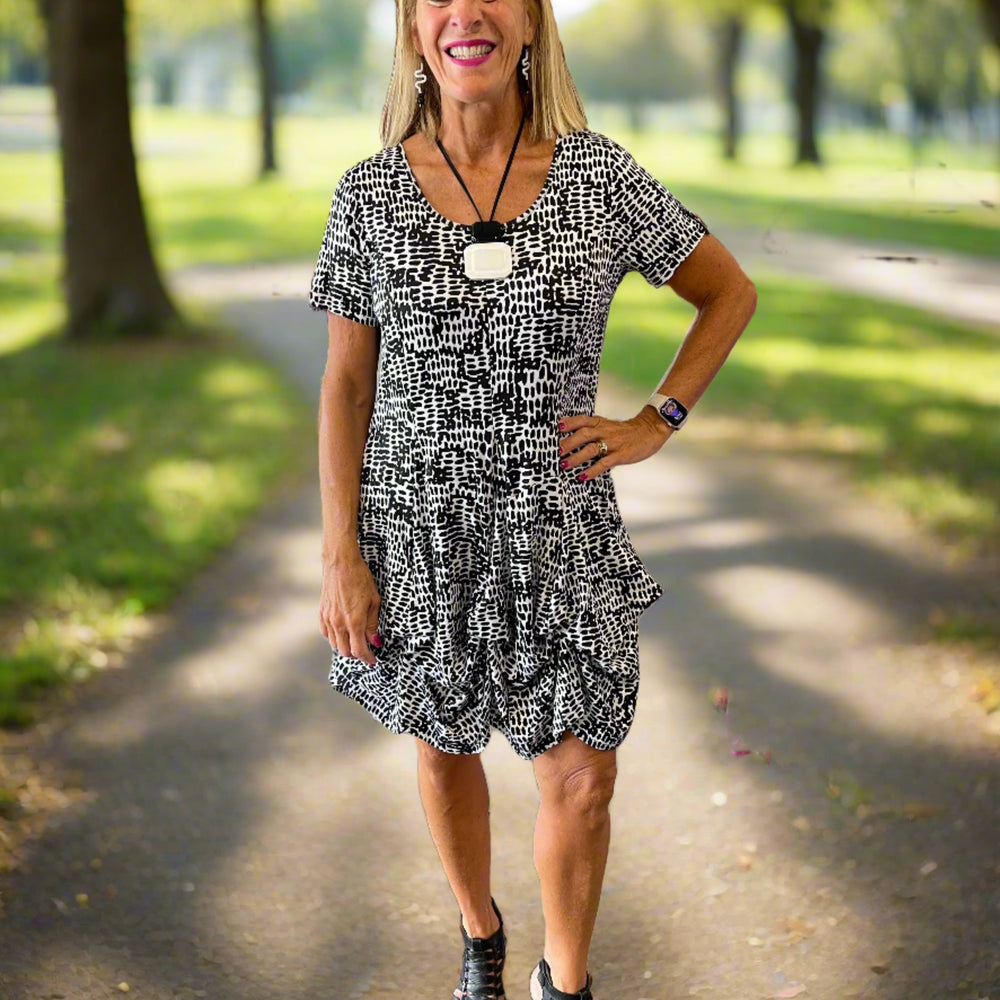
(462, 225)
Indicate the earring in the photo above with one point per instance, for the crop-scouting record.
(526, 67)
(419, 79)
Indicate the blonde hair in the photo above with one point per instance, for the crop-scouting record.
(553, 109)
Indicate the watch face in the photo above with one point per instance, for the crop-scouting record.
(673, 413)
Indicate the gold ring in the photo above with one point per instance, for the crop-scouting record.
(604, 448)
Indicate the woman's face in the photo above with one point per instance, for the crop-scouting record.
(472, 46)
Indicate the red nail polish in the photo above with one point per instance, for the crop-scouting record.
(376, 641)
(562, 426)
(582, 476)
(564, 464)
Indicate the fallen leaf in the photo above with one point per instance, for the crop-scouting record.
(124, 987)
(920, 810)
(927, 867)
(789, 991)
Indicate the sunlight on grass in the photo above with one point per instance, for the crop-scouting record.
(136, 463)
(910, 401)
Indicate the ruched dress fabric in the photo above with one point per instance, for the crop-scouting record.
(510, 591)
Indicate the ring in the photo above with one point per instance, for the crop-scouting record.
(604, 448)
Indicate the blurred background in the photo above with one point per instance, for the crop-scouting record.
(158, 159)
(830, 534)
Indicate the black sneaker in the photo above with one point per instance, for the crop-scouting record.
(482, 964)
(542, 988)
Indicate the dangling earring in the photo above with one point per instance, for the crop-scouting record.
(526, 68)
(419, 79)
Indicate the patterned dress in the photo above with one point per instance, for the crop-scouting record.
(510, 591)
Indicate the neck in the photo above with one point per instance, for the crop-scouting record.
(474, 133)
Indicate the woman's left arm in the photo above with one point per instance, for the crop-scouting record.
(712, 281)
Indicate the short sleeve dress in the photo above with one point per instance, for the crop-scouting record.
(510, 590)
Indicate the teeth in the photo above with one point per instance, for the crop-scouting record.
(469, 51)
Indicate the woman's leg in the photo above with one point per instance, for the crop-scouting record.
(572, 834)
(457, 806)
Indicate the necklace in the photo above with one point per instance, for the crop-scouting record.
(487, 257)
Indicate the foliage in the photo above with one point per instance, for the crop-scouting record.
(635, 52)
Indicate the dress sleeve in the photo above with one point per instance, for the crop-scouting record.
(341, 283)
(656, 231)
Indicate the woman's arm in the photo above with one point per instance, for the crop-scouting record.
(349, 603)
(712, 281)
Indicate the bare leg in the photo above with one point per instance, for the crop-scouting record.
(572, 834)
(457, 806)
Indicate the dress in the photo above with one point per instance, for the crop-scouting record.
(510, 591)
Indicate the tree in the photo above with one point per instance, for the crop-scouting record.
(807, 20)
(991, 17)
(111, 279)
(628, 51)
(729, 35)
(264, 51)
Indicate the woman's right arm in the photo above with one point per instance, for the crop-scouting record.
(350, 601)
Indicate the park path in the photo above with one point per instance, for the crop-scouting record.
(959, 286)
(242, 833)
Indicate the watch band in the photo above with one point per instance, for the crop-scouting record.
(672, 410)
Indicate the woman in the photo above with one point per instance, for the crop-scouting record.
(477, 574)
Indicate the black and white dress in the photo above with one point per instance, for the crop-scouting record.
(510, 591)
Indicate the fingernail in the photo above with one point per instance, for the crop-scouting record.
(376, 641)
(564, 464)
(562, 426)
(582, 476)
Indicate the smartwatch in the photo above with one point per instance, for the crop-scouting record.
(671, 410)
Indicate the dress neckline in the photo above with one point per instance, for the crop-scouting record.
(412, 177)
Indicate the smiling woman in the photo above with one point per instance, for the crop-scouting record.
(477, 572)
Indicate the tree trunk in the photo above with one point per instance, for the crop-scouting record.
(730, 38)
(807, 37)
(265, 82)
(991, 15)
(111, 279)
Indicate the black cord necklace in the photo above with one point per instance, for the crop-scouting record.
(486, 257)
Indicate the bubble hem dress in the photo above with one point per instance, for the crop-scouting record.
(510, 591)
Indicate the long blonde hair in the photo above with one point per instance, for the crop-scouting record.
(554, 107)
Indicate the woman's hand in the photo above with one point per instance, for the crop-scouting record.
(348, 608)
(628, 441)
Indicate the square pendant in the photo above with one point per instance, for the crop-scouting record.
(488, 260)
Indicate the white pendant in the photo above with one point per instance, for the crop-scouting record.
(488, 260)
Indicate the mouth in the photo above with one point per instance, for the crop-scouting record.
(471, 53)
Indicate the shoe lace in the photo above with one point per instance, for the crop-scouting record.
(482, 968)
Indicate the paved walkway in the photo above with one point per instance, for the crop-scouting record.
(950, 284)
(246, 834)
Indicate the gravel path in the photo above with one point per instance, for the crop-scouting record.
(240, 832)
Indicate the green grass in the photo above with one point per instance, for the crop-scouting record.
(126, 465)
(198, 172)
(106, 508)
(867, 189)
(908, 402)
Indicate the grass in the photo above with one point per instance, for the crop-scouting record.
(106, 508)
(909, 403)
(126, 465)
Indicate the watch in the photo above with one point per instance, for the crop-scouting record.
(671, 410)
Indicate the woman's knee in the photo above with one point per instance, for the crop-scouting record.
(445, 770)
(583, 782)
